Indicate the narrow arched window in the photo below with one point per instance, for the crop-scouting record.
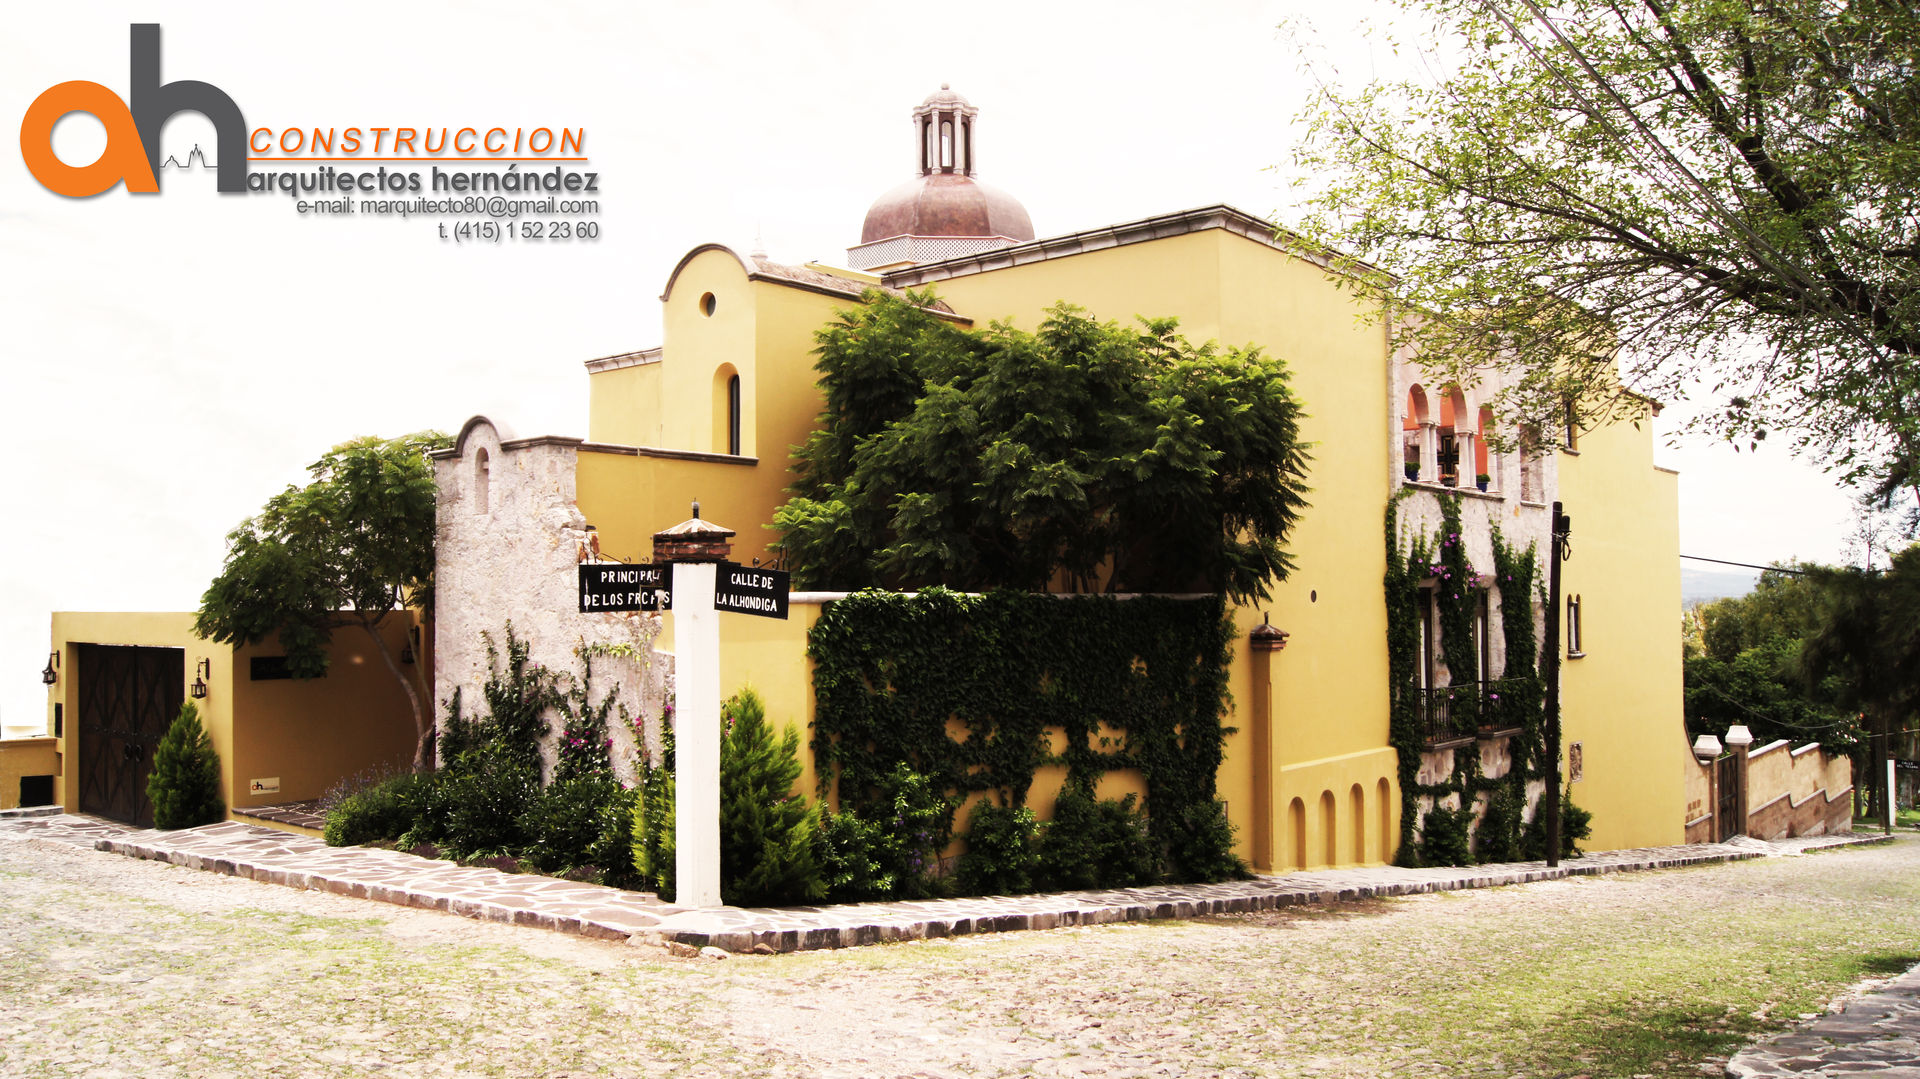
(733, 415)
(482, 480)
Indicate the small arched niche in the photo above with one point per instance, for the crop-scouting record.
(482, 482)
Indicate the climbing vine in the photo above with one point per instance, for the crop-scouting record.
(1443, 834)
(1402, 586)
(964, 689)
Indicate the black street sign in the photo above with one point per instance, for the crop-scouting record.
(616, 586)
(748, 590)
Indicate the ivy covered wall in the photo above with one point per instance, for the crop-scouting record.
(965, 689)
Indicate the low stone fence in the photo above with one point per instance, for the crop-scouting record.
(1785, 791)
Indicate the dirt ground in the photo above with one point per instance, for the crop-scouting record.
(116, 967)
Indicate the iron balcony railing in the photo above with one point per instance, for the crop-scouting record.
(1460, 711)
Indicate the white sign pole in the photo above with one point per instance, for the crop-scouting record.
(696, 806)
(1887, 803)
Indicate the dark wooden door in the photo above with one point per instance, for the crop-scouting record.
(128, 697)
(1730, 815)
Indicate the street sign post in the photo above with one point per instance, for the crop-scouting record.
(616, 586)
(751, 590)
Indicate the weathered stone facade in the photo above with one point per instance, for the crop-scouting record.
(510, 534)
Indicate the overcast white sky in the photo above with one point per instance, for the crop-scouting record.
(171, 361)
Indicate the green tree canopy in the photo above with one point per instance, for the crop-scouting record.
(1005, 459)
(351, 547)
(1724, 192)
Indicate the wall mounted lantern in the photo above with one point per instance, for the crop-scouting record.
(202, 669)
(52, 673)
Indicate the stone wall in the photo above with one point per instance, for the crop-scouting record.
(1790, 792)
(510, 535)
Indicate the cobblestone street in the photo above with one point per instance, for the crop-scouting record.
(120, 967)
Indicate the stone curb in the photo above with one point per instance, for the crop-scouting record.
(611, 914)
(1876, 1033)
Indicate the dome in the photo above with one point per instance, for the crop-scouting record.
(946, 204)
(945, 97)
(944, 211)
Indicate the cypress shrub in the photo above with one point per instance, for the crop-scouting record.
(767, 832)
(653, 821)
(185, 785)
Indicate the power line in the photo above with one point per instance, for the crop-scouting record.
(1746, 565)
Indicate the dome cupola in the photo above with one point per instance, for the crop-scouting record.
(944, 212)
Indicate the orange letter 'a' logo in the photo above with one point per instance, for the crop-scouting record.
(126, 156)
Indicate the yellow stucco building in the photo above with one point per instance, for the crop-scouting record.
(1311, 777)
(116, 681)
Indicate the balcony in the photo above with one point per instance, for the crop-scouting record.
(1457, 714)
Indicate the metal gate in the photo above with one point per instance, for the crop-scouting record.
(128, 697)
(1729, 811)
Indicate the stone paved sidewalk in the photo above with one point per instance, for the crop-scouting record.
(301, 861)
(1873, 1035)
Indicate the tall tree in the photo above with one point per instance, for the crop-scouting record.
(1085, 453)
(352, 547)
(1868, 642)
(1722, 192)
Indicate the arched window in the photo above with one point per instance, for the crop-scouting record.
(1455, 435)
(729, 430)
(482, 481)
(1413, 432)
(733, 415)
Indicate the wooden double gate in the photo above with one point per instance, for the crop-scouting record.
(128, 697)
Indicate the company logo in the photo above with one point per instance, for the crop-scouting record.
(133, 127)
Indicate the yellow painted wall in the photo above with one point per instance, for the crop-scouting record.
(26, 757)
(623, 406)
(1622, 699)
(628, 498)
(309, 734)
(694, 344)
(1327, 694)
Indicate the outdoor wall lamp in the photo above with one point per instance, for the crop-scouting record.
(201, 670)
(406, 650)
(51, 674)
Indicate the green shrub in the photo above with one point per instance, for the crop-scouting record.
(1201, 850)
(1497, 839)
(1443, 836)
(480, 805)
(185, 785)
(1001, 853)
(845, 847)
(580, 825)
(1095, 844)
(766, 830)
(892, 856)
(1575, 824)
(386, 810)
(920, 828)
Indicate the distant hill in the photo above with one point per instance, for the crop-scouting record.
(1699, 586)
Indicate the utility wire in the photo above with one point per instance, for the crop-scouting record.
(1747, 565)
